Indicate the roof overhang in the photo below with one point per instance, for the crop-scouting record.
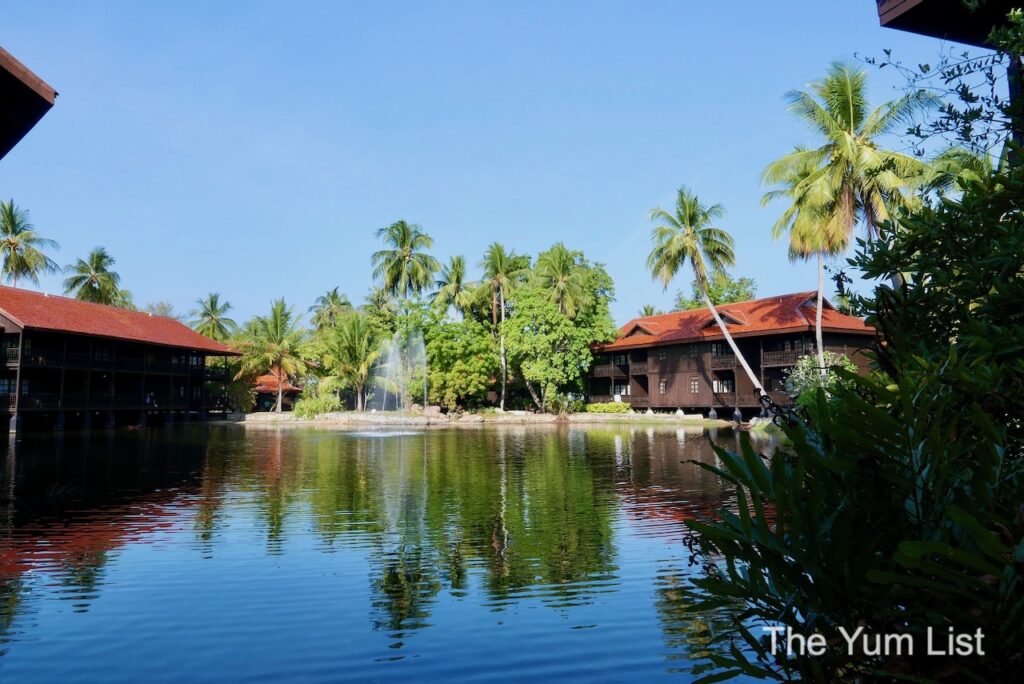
(945, 19)
(24, 99)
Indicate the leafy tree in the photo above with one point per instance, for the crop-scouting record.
(329, 308)
(547, 348)
(503, 271)
(463, 359)
(854, 180)
(380, 306)
(352, 349)
(722, 289)
(404, 268)
(649, 310)
(21, 247)
(560, 272)
(687, 235)
(273, 343)
(162, 308)
(91, 280)
(210, 318)
(453, 290)
(807, 376)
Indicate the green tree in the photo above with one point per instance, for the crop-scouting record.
(550, 351)
(805, 378)
(352, 348)
(404, 267)
(453, 290)
(380, 306)
(649, 310)
(687, 235)
(210, 318)
(162, 308)
(21, 247)
(91, 280)
(722, 289)
(560, 272)
(863, 182)
(329, 308)
(503, 270)
(273, 343)
(463, 359)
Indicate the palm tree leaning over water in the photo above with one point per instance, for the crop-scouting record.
(503, 270)
(453, 290)
(813, 230)
(91, 280)
(329, 308)
(405, 268)
(273, 344)
(865, 183)
(21, 247)
(210, 318)
(687, 235)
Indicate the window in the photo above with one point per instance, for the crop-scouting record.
(662, 355)
(622, 388)
(725, 386)
(694, 386)
(662, 386)
(619, 359)
(719, 349)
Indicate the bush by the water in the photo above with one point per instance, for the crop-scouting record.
(609, 407)
(896, 504)
(312, 406)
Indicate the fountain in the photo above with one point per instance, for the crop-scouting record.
(400, 371)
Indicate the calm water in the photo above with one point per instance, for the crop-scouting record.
(219, 553)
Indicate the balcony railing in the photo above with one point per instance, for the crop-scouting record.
(12, 354)
(609, 370)
(783, 358)
(42, 357)
(638, 367)
(723, 361)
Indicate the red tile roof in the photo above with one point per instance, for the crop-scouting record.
(268, 383)
(771, 315)
(37, 311)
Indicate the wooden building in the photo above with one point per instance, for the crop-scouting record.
(265, 387)
(681, 360)
(24, 99)
(946, 19)
(77, 364)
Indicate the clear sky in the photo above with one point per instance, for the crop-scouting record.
(254, 148)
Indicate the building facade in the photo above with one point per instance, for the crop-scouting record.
(681, 360)
(79, 365)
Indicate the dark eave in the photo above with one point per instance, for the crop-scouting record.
(944, 19)
(24, 99)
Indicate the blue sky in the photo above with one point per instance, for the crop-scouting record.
(254, 148)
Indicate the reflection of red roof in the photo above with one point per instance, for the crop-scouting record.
(773, 315)
(268, 383)
(35, 310)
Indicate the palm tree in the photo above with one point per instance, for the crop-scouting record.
(272, 344)
(560, 271)
(687, 235)
(91, 280)
(329, 308)
(210, 318)
(813, 229)
(649, 310)
(351, 352)
(866, 183)
(503, 269)
(453, 291)
(405, 268)
(22, 247)
(957, 165)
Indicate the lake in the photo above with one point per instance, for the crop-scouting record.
(214, 553)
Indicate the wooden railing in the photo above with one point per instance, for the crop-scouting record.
(723, 361)
(636, 367)
(609, 370)
(782, 358)
(12, 354)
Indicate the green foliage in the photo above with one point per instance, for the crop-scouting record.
(404, 267)
(722, 289)
(273, 343)
(21, 247)
(463, 358)
(896, 503)
(91, 280)
(348, 352)
(805, 377)
(313, 405)
(609, 407)
(211, 319)
(329, 308)
(549, 351)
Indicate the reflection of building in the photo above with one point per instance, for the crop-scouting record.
(90, 364)
(24, 99)
(681, 359)
(266, 387)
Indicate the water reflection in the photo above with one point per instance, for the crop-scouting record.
(437, 543)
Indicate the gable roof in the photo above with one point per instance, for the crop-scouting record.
(38, 311)
(770, 315)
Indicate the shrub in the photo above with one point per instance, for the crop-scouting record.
(806, 377)
(311, 406)
(609, 407)
(896, 503)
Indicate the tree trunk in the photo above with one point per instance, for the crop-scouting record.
(501, 341)
(732, 343)
(817, 317)
(533, 395)
(280, 391)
